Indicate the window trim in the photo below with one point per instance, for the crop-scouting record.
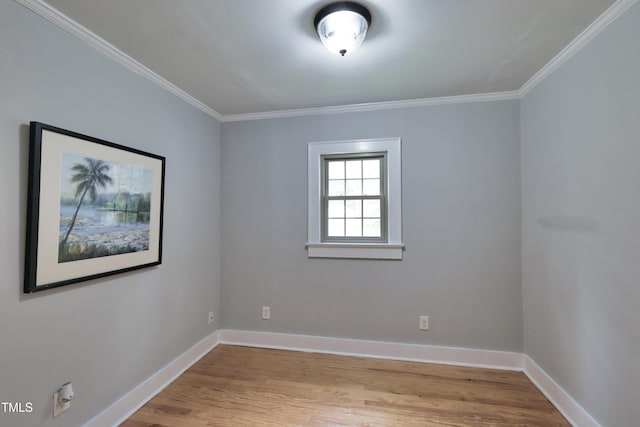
(393, 247)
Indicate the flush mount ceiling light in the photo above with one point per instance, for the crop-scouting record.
(342, 26)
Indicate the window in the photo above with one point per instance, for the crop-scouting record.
(355, 199)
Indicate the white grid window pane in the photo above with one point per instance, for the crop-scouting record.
(336, 228)
(354, 227)
(371, 187)
(336, 169)
(336, 209)
(354, 169)
(371, 208)
(371, 168)
(354, 187)
(336, 187)
(354, 209)
(354, 198)
(371, 227)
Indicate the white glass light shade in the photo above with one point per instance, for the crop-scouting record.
(341, 31)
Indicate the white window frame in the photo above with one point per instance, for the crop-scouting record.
(381, 197)
(393, 247)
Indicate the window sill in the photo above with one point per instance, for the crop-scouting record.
(355, 250)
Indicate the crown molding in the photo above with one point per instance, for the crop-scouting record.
(373, 106)
(602, 22)
(51, 14)
(101, 45)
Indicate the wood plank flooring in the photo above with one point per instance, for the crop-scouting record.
(242, 386)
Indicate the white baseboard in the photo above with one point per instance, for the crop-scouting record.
(572, 411)
(124, 407)
(377, 349)
(132, 401)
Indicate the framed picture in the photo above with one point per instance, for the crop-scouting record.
(95, 208)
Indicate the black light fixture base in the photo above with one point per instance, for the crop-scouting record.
(342, 5)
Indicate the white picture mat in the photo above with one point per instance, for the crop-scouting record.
(53, 146)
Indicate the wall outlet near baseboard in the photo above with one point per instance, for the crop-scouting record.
(62, 399)
(266, 312)
(424, 323)
(210, 318)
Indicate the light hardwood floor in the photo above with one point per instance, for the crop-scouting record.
(242, 386)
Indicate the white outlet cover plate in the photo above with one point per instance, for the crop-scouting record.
(424, 323)
(59, 407)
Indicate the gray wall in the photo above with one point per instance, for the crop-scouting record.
(461, 201)
(577, 138)
(581, 229)
(108, 335)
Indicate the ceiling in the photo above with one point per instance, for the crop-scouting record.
(240, 57)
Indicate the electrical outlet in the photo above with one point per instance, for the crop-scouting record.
(266, 312)
(59, 406)
(210, 317)
(62, 399)
(424, 323)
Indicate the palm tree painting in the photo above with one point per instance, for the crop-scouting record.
(104, 208)
(89, 177)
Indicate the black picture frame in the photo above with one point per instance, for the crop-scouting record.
(94, 208)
